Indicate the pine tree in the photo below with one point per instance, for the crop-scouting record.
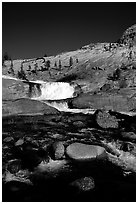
(21, 73)
(55, 65)
(11, 68)
(70, 61)
(22, 67)
(3, 64)
(29, 67)
(6, 56)
(48, 64)
(36, 68)
(59, 64)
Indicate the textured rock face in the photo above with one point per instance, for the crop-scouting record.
(129, 36)
(84, 152)
(84, 184)
(105, 120)
(58, 150)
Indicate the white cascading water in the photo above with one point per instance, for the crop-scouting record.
(55, 91)
(63, 106)
(49, 90)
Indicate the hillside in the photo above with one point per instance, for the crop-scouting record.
(105, 71)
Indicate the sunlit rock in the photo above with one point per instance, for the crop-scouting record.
(84, 152)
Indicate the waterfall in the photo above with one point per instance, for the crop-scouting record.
(55, 91)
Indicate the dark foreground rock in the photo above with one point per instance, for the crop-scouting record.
(51, 154)
(83, 184)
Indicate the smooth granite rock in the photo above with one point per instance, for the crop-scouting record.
(84, 152)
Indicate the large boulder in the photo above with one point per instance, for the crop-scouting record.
(84, 152)
(26, 106)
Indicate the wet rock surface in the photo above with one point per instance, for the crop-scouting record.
(84, 152)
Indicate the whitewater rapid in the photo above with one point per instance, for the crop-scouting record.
(51, 93)
(41, 90)
(63, 106)
(55, 91)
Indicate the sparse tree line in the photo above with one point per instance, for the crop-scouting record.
(46, 66)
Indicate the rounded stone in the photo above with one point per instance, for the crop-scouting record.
(79, 124)
(84, 152)
(128, 135)
(58, 150)
(105, 120)
(14, 166)
(19, 142)
(83, 184)
(8, 139)
(56, 136)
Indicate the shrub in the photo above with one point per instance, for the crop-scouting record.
(77, 60)
(115, 76)
(6, 56)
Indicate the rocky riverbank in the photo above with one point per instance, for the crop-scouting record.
(73, 156)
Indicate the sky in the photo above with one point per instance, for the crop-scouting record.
(33, 29)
